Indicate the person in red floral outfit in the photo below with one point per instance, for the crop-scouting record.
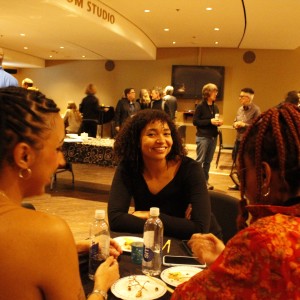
(261, 261)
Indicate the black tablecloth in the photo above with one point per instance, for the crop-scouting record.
(89, 154)
(127, 267)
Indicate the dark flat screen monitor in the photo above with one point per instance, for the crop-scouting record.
(188, 80)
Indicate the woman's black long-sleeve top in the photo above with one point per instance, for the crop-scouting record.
(187, 187)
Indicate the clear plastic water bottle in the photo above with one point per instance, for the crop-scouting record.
(153, 243)
(100, 241)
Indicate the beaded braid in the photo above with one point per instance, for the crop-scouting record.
(23, 117)
(283, 125)
(263, 126)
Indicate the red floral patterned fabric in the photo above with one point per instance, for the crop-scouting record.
(260, 262)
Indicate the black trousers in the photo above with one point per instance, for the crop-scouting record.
(89, 126)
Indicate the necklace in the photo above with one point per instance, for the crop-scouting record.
(211, 108)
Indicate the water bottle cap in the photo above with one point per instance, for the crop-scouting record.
(154, 211)
(100, 214)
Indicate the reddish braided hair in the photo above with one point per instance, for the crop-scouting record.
(274, 137)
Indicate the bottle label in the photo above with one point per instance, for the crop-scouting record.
(148, 254)
(94, 249)
(148, 246)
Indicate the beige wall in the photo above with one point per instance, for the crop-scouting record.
(272, 74)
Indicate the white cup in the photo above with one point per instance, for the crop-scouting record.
(217, 116)
(84, 136)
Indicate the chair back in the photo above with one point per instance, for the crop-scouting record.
(226, 209)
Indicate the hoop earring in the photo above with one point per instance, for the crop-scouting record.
(25, 173)
(267, 193)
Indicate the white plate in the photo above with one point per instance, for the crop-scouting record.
(151, 290)
(177, 275)
(72, 140)
(126, 241)
(72, 135)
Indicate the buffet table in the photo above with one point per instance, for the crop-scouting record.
(92, 151)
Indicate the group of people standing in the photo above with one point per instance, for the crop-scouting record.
(86, 118)
(156, 98)
(207, 120)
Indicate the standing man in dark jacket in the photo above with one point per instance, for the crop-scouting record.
(126, 107)
(206, 119)
(157, 100)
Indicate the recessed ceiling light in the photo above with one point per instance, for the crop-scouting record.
(147, 10)
(83, 56)
(50, 56)
(216, 29)
(61, 47)
(166, 29)
(174, 43)
(216, 43)
(22, 34)
(26, 48)
(209, 8)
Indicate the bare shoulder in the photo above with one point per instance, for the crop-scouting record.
(35, 228)
(47, 226)
(41, 244)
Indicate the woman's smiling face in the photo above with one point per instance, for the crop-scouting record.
(156, 140)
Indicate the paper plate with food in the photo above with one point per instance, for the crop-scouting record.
(138, 287)
(177, 275)
(126, 241)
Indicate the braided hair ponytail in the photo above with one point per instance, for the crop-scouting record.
(23, 118)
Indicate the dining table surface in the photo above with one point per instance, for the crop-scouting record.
(172, 246)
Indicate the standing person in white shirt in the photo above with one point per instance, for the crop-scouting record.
(5, 78)
(245, 116)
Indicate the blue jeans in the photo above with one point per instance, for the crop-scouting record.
(205, 150)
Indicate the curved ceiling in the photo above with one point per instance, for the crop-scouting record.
(34, 31)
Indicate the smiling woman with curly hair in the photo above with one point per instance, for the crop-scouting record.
(155, 171)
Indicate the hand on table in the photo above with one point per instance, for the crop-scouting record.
(114, 248)
(206, 247)
(141, 214)
(107, 274)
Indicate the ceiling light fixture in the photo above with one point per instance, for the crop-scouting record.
(83, 56)
(61, 47)
(147, 10)
(26, 48)
(22, 34)
(209, 8)
(216, 43)
(216, 29)
(174, 43)
(166, 29)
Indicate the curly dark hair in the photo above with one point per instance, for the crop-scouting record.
(127, 145)
(22, 118)
(274, 137)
